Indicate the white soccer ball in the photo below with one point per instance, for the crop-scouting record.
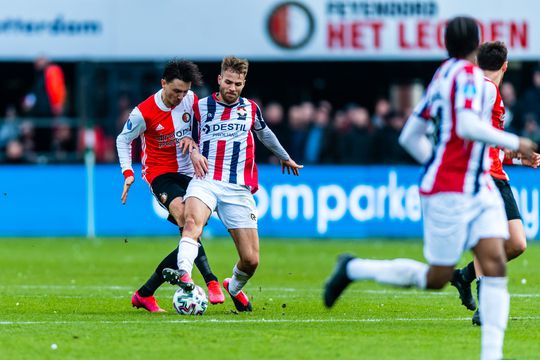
(190, 303)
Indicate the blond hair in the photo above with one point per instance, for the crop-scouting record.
(234, 64)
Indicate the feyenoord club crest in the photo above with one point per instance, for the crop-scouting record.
(186, 117)
(163, 197)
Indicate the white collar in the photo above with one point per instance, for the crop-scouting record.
(159, 101)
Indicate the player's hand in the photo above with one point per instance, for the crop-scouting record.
(290, 165)
(187, 144)
(527, 147)
(511, 154)
(127, 184)
(200, 163)
(533, 161)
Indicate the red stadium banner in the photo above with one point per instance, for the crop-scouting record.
(264, 30)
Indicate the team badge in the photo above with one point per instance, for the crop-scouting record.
(186, 117)
(163, 197)
(241, 112)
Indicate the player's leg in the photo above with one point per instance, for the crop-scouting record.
(247, 245)
(168, 190)
(494, 301)
(215, 295)
(439, 221)
(237, 210)
(199, 204)
(514, 246)
(398, 272)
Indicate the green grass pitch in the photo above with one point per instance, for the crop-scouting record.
(75, 293)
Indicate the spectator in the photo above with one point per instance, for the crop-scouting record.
(27, 140)
(382, 108)
(385, 142)
(48, 94)
(9, 127)
(299, 120)
(339, 128)
(357, 143)
(531, 129)
(15, 152)
(508, 94)
(273, 116)
(316, 143)
(530, 105)
(63, 143)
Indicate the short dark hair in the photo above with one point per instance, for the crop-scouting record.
(183, 70)
(461, 37)
(492, 55)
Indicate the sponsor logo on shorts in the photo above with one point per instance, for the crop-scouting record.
(163, 197)
(253, 217)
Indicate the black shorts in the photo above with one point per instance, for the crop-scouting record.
(168, 187)
(510, 205)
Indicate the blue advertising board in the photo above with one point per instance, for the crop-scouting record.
(324, 202)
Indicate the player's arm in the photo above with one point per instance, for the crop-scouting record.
(200, 163)
(189, 142)
(133, 128)
(469, 117)
(515, 158)
(271, 142)
(413, 137)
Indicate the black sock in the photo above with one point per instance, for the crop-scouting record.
(201, 261)
(468, 272)
(478, 291)
(156, 279)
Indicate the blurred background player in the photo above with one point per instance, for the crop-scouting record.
(492, 58)
(164, 122)
(226, 178)
(458, 196)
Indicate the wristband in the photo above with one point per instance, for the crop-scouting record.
(127, 173)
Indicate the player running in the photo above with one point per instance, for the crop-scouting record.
(164, 123)
(461, 208)
(492, 58)
(228, 177)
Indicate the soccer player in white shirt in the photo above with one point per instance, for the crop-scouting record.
(226, 178)
(461, 206)
(163, 122)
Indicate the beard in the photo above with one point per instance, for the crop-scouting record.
(228, 98)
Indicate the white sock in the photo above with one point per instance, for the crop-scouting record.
(239, 279)
(494, 310)
(187, 252)
(400, 272)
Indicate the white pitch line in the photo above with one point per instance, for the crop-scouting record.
(261, 321)
(403, 293)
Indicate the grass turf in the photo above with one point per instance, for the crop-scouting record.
(75, 293)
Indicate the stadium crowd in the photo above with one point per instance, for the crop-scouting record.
(315, 132)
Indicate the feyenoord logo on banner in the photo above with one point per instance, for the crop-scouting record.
(290, 25)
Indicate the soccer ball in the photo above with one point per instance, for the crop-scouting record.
(190, 303)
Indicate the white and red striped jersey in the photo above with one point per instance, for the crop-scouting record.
(494, 110)
(226, 139)
(160, 129)
(457, 164)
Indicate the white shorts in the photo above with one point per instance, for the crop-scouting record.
(454, 222)
(233, 203)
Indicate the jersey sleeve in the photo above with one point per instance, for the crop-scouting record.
(490, 96)
(469, 90)
(133, 128)
(267, 136)
(258, 123)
